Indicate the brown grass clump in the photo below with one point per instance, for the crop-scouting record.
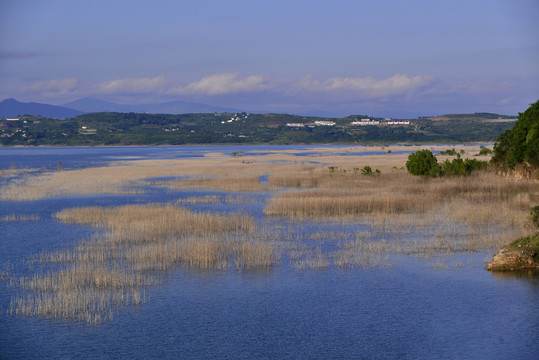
(136, 223)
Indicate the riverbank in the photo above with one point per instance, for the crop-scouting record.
(520, 255)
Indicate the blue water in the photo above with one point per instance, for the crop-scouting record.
(79, 157)
(406, 311)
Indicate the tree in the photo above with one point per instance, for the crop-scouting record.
(520, 144)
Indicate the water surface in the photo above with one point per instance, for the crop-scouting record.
(408, 310)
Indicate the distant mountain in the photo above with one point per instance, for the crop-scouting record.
(12, 108)
(89, 105)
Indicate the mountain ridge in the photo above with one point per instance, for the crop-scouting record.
(13, 108)
(89, 105)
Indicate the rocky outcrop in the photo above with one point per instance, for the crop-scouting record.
(520, 172)
(519, 258)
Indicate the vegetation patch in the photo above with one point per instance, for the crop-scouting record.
(520, 145)
(424, 163)
(529, 241)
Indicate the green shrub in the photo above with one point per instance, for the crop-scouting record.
(534, 213)
(423, 163)
(367, 171)
(484, 150)
(457, 167)
(449, 152)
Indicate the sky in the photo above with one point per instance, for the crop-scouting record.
(309, 57)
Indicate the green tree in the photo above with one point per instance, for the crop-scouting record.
(520, 144)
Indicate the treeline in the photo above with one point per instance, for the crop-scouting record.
(520, 144)
(517, 147)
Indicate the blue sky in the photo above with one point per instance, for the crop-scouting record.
(339, 57)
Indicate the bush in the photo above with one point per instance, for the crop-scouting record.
(484, 150)
(423, 163)
(449, 152)
(457, 167)
(367, 171)
(534, 214)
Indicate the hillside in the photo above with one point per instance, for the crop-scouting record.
(113, 128)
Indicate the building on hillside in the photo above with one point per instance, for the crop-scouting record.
(324, 123)
(297, 125)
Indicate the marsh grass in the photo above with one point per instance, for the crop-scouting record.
(484, 203)
(19, 218)
(134, 246)
(228, 183)
(217, 199)
(312, 260)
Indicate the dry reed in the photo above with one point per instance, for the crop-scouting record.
(89, 281)
(19, 218)
(229, 183)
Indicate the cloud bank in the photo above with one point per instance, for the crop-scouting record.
(234, 83)
(336, 95)
(133, 85)
(54, 88)
(370, 87)
(220, 84)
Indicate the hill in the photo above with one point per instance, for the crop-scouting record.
(114, 128)
(11, 108)
(89, 105)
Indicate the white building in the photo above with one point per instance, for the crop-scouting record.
(324, 123)
(364, 122)
(297, 125)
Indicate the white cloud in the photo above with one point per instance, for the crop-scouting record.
(133, 85)
(54, 88)
(225, 83)
(55, 85)
(395, 85)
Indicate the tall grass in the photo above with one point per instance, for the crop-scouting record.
(233, 184)
(138, 242)
(493, 209)
(19, 218)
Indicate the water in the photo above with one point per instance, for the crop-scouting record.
(406, 311)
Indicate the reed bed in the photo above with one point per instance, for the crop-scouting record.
(228, 183)
(195, 200)
(218, 199)
(142, 223)
(127, 176)
(487, 209)
(317, 260)
(19, 218)
(134, 245)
